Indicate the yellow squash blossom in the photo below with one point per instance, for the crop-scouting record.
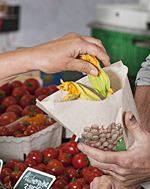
(77, 91)
(100, 83)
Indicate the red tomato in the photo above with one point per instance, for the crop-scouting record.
(75, 185)
(66, 187)
(18, 134)
(80, 161)
(30, 162)
(14, 176)
(16, 109)
(41, 97)
(5, 172)
(53, 88)
(4, 131)
(21, 127)
(96, 169)
(30, 110)
(7, 88)
(6, 179)
(91, 175)
(10, 163)
(65, 158)
(53, 187)
(14, 128)
(15, 84)
(82, 180)
(8, 101)
(72, 173)
(27, 100)
(63, 177)
(38, 168)
(60, 183)
(42, 91)
(36, 155)
(7, 118)
(71, 148)
(86, 186)
(2, 95)
(31, 84)
(84, 170)
(31, 129)
(51, 122)
(55, 167)
(41, 127)
(42, 165)
(21, 166)
(50, 153)
(18, 92)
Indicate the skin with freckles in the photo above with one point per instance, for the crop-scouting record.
(55, 56)
(129, 167)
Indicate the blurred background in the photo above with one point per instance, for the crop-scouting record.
(122, 25)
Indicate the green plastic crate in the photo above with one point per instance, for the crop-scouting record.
(132, 49)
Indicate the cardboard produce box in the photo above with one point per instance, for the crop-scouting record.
(18, 148)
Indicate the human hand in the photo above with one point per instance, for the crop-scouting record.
(128, 167)
(108, 182)
(60, 55)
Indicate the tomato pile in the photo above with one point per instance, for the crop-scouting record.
(17, 99)
(71, 168)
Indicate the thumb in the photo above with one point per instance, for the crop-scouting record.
(84, 67)
(133, 126)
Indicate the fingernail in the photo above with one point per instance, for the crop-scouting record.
(80, 147)
(131, 117)
(94, 72)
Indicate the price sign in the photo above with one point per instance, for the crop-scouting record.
(34, 179)
(1, 165)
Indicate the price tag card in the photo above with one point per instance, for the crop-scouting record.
(1, 165)
(34, 179)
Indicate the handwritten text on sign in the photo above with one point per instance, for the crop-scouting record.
(34, 179)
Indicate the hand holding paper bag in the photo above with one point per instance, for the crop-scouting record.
(129, 167)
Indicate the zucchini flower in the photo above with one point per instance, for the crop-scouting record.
(77, 91)
(100, 83)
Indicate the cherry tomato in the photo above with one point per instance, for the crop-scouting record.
(2, 95)
(6, 179)
(75, 185)
(72, 173)
(36, 155)
(63, 177)
(7, 118)
(30, 162)
(31, 110)
(27, 100)
(86, 186)
(14, 176)
(8, 101)
(60, 183)
(96, 169)
(71, 148)
(53, 187)
(31, 84)
(42, 165)
(50, 153)
(38, 168)
(18, 92)
(10, 163)
(84, 170)
(66, 187)
(15, 84)
(55, 167)
(18, 134)
(31, 129)
(5, 172)
(41, 97)
(21, 127)
(38, 119)
(4, 131)
(51, 122)
(80, 161)
(16, 109)
(41, 127)
(53, 88)
(65, 158)
(21, 166)
(7, 88)
(42, 91)
(82, 180)
(91, 175)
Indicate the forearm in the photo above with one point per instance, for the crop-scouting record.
(14, 63)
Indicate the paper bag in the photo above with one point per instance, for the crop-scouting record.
(96, 121)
